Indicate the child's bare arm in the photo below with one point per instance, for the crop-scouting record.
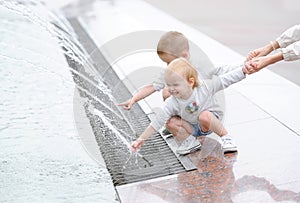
(136, 145)
(141, 94)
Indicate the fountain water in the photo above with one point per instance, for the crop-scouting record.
(98, 88)
(41, 155)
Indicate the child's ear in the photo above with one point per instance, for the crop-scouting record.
(186, 54)
(192, 81)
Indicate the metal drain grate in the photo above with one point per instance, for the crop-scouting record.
(113, 128)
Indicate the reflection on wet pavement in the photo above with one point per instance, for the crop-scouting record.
(213, 181)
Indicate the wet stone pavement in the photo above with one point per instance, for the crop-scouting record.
(213, 181)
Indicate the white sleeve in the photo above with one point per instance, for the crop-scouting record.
(159, 84)
(168, 110)
(220, 70)
(291, 52)
(289, 36)
(232, 77)
(223, 81)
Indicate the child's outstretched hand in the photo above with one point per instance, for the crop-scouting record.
(127, 105)
(136, 145)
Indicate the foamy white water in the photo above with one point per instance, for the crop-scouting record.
(41, 157)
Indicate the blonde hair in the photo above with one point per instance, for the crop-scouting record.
(173, 43)
(182, 67)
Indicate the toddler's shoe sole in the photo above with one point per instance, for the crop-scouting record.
(230, 150)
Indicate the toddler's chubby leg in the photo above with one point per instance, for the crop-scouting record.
(182, 131)
(209, 122)
(180, 128)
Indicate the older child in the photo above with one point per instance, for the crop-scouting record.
(191, 100)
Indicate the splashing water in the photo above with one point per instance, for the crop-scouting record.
(62, 33)
(121, 137)
(55, 25)
(110, 126)
(41, 158)
(71, 48)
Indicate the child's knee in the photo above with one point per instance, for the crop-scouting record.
(173, 122)
(205, 119)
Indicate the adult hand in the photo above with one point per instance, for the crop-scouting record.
(262, 51)
(259, 63)
(249, 68)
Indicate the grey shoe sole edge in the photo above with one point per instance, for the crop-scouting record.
(185, 152)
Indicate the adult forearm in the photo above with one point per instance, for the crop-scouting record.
(275, 58)
(275, 45)
(263, 61)
(268, 48)
(268, 60)
(263, 51)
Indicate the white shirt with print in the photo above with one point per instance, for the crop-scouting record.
(200, 100)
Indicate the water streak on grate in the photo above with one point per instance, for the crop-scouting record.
(109, 122)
